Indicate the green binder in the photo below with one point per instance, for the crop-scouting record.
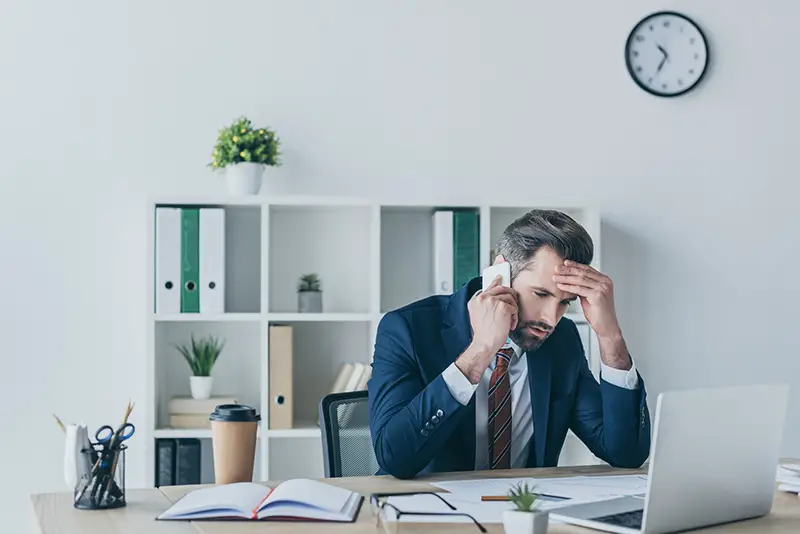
(190, 260)
(466, 246)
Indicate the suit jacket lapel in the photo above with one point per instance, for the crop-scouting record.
(540, 370)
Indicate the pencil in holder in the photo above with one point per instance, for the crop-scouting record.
(103, 487)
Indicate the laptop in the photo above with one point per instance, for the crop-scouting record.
(713, 459)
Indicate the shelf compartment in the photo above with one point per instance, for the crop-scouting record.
(319, 351)
(296, 458)
(237, 372)
(326, 240)
(242, 254)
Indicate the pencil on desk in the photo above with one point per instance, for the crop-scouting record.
(500, 498)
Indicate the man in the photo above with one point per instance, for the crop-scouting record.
(494, 379)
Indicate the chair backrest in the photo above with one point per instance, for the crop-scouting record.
(346, 441)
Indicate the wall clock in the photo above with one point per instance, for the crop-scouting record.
(666, 54)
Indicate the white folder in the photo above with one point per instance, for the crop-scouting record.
(443, 252)
(168, 260)
(212, 260)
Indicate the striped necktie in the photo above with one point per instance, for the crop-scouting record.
(500, 412)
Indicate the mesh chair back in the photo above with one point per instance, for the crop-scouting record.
(346, 441)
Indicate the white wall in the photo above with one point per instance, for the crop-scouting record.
(103, 103)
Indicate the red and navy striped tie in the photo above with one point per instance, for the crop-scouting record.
(500, 412)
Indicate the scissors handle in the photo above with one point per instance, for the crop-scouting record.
(105, 433)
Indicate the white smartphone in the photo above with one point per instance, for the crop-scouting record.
(491, 272)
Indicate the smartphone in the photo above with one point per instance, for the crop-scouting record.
(490, 273)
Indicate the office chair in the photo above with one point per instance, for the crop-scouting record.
(346, 441)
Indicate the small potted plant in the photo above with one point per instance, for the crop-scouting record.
(201, 357)
(244, 152)
(526, 517)
(309, 294)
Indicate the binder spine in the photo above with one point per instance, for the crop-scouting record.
(212, 260)
(190, 260)
(167, 260)
(466, 244)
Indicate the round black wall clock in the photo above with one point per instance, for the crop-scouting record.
(666, 54)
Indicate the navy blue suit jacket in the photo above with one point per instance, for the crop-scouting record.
(418, 427)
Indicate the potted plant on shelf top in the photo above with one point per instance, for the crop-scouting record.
(201, 357)
(244, 152)
(525, 517)
(309, 294)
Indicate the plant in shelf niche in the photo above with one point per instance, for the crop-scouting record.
(201, 356)
(309, 294)
(244, 152)
(526, 517)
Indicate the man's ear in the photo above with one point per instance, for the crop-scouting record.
(499, 259)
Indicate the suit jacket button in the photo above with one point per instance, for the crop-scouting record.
(428, 426)
(424, 432)
(440, 413)
(435, 420)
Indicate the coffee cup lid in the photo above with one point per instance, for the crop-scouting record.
(239, 413)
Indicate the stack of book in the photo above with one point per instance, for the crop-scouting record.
(353, 376)
(186, 412)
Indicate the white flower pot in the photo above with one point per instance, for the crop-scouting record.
(201, 386)
(516, 522)
(244, 178)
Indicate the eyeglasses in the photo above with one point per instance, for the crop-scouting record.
(381, 508)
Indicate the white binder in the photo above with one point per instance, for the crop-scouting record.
(212, 260)
(168, 260)
(443, 252)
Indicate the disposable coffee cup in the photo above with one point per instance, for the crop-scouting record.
(234, 428)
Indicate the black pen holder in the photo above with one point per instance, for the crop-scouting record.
(103, 487)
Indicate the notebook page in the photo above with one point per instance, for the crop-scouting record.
(301, 497)
(219, 501)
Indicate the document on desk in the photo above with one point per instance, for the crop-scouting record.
(788, 477)
(583, 488)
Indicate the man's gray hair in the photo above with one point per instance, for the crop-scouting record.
(544, 228)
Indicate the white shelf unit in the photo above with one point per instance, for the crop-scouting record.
(371, 257)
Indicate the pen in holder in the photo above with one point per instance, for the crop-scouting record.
(102, 487)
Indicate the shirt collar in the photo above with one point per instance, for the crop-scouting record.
(518, 352)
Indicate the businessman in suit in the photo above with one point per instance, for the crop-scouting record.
(494, 379)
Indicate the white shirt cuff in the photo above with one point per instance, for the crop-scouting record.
(459, 385)
(620, 377)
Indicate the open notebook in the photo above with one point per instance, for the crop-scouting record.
(298, 499)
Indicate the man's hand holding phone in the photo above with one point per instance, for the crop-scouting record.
(493, 313)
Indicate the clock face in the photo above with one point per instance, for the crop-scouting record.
(666, 54)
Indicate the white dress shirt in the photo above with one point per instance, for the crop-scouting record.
(521, 409)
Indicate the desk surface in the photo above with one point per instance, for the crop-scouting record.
(56, 515)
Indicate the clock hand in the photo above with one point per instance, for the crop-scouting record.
(661, 64)
(663, 51)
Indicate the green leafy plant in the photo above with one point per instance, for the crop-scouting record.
(202, 354)
(309, 282)
(241, 142)
(523, 497)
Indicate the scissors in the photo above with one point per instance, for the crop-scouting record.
(105, 435)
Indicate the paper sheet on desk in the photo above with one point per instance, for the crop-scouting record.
(788, 477)
(483, 512)
(578, 487)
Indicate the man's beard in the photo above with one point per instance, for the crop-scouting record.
(526, 340)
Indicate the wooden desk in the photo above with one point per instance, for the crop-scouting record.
(55, 514)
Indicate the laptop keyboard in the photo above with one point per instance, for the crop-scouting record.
(626, 519)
